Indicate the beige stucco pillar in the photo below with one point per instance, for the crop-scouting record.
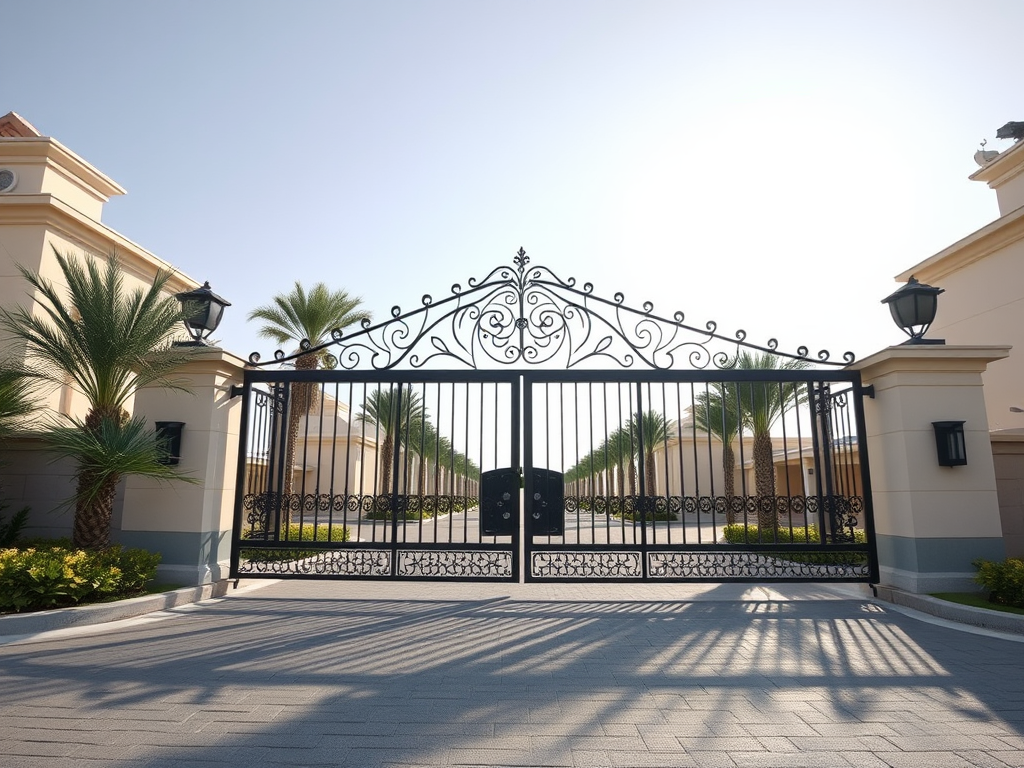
(931, 521)
(190, 525)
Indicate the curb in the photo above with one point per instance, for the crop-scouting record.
(101, 613)
(999, 621)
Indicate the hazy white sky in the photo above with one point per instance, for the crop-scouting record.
(768, 165)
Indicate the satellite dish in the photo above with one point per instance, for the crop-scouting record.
(985, 156)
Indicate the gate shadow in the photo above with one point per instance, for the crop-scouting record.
(305, 680)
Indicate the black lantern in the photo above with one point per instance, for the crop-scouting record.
(169, 435)
(950, 443)
(913, 309)
(202, 310)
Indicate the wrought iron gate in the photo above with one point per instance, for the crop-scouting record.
(682, 463)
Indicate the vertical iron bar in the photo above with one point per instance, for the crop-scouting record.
(865, 479)
(816, 439)
(516, 387)
(396, 419)
(243, 450)
(641, 480)
(784, 390)
(527, 448)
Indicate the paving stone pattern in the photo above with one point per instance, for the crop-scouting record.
(307, 673)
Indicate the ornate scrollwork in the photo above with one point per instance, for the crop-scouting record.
(330, 562)
(465, 564)
(577, 564)
(528, 315)
(260, 507)
(745, 565)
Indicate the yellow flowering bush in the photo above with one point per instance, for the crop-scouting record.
(54, 576)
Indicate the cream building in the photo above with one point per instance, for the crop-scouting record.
(983, 303)
(51, 200)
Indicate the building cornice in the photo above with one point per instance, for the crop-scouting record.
(62, 159)
(993, 237)
(92, 236)
(1005, 166)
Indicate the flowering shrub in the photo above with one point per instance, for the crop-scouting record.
(42, 577)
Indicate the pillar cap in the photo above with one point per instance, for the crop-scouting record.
(934, 357)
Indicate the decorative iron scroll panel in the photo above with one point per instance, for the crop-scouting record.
(527, 316)
(384, 475)
(646, 465)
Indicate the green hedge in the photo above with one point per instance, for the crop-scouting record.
(1004, 581)
(456, 505)
(297, 532)
(57, 575)
(798, 534)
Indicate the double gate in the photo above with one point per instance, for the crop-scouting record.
(401, 456)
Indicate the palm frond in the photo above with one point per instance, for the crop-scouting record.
(113, 450)
(107, 340)
(312, 316)
(16, 401)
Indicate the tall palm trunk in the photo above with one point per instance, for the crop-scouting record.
(729, 470)
(764, 482)
(93, 511)
(387, 458)
(92, 518)
(303, 397)
(650, 474)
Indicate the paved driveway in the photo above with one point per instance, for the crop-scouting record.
(364, 674)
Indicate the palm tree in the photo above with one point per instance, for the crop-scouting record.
(655, 430)
(307, 319)
(716, 412)
(760, 404)
(381, 410)
(109, 343)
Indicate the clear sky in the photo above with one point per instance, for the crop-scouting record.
(768, 165)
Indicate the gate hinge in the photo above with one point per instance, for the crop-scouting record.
(237, 390)
(868, 391)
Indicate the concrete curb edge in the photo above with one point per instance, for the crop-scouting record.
(943, 609)
(101, 613)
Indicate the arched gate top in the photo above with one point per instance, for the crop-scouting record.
(527, 315)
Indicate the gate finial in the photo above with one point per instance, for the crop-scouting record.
(521, 259)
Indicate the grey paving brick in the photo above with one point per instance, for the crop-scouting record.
(722, 743)
(587, 759)
(788, 760)
(1013, 759)
(865, 760)
(938, 742)
(652, 760)
(925, 760)
(712, 759)
(981, 759)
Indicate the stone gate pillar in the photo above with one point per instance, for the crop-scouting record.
(190, 525)
(931, 521)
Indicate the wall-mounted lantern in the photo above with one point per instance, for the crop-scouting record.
(202, 312)
(950, 443)
(913, 309)
(169, 435)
